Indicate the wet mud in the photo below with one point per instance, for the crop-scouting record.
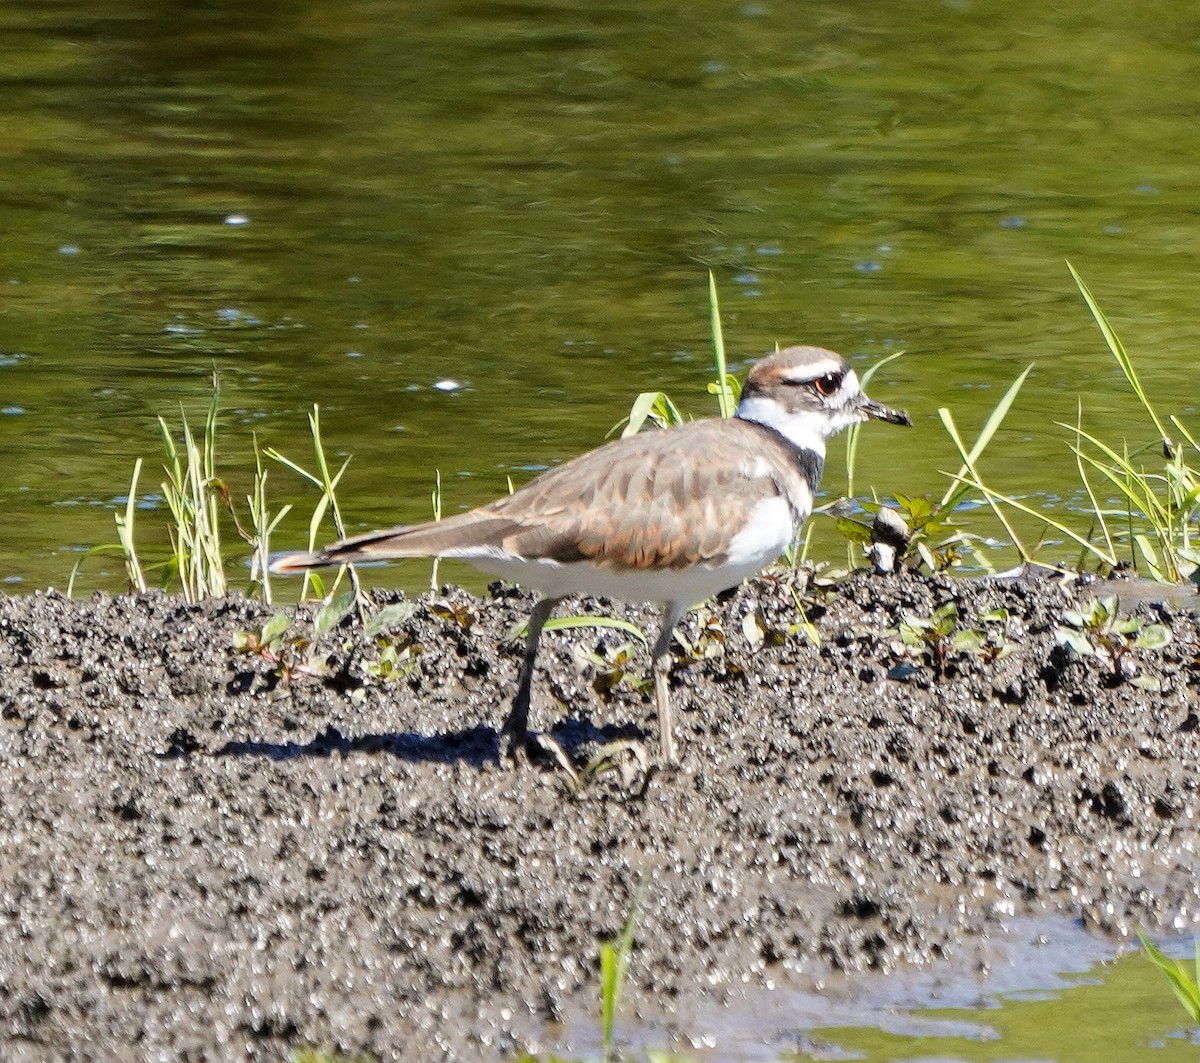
(214, 854)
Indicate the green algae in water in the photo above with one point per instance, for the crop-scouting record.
(1118, 1012)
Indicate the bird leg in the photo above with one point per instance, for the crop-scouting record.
(660, 665)
(515, 732)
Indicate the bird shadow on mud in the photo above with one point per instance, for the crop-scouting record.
(477, 746)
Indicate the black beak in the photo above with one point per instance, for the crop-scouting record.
(884, 413)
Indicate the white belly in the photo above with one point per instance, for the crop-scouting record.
(554, 579)
(765, 536)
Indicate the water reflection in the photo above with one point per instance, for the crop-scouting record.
(348, 205)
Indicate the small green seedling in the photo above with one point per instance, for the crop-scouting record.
(295, 655)
(267, 641)
(397, 659)
(710, 641)
(1098, 630)
(458, 613)
(614, 961)
(287, 655)
(612, 666)
(937, 640)
(398, 651)
(758, 632)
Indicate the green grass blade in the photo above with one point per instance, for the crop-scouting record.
(990, 426)
(137, 578)
(1185, 433)
(172, 466)
(614, 961)
(274, 455)
(314, 426)
(608, 997)
(436, 499)
(1087, 485)
(1127, 482)
(329, 494)
(1118, 350)
(210, 431)
(649, 405)
(104, 548)
(1013, 503)
(852, 434)
(327, 503)
(1183, 985)
(1144, 499)
(871, 370)
(263, 524)
(726, 400)
(969, 466)
(569, 623)
(1158, 572)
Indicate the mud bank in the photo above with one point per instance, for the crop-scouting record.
(207, 859)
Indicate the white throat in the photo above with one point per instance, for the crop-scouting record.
(806, 430)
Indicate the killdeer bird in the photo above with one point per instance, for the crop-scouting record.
(670, 517)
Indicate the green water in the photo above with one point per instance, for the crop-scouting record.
(350, 203)
(1121, 1012)
(1042, 990)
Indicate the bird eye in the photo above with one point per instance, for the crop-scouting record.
(827, 384)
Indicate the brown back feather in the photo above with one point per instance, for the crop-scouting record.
(648, 502)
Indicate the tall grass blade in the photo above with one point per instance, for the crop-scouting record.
(436, 498)
(991, 495)
(173, 492)
(192, 497)
(263, 525)
(1185, 987)
(990, 426)
(1118, 350)
(1087, 485)
(724, 387)
(328, 502)
(133, 567)
(1133, 484)
(969, 466)
(1168, 517)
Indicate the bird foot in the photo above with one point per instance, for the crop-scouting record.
(628, 758)
(533, 745)
(512, 744)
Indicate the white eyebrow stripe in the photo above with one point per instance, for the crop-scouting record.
(812, 371)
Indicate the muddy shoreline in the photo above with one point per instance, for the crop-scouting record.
(209, 856)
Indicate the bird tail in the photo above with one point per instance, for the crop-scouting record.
(461, 536)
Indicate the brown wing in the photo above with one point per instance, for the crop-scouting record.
(658, 499)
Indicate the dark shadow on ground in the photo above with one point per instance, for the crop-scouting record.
(475, 746)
